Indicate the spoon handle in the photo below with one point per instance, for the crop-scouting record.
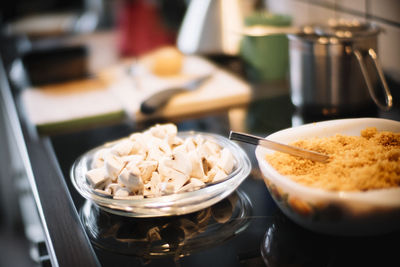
(292, 150)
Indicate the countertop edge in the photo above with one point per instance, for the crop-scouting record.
(66, 240)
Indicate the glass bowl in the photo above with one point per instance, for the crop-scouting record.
(166, 205)
(339, 213)
(175, 236)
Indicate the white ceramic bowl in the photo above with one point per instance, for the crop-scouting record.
(342, 213)
(167, 205)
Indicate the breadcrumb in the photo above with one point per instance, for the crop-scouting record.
(357, 163)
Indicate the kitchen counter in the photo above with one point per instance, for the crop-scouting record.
(75, 233)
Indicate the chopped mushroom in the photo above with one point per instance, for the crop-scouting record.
(157, 162)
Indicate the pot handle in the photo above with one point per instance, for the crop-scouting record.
(388, 95)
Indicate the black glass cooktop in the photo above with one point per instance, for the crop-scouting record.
(245, 229)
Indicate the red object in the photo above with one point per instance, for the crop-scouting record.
(141, 28)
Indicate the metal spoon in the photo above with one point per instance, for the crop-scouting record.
(292, 150)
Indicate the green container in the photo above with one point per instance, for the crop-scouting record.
(266, 57)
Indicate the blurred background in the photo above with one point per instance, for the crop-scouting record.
(157, 22)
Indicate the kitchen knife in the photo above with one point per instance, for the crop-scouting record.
(160, 98)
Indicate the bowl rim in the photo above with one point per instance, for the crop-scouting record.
(240, 220)
(376, 196)
(236, 177)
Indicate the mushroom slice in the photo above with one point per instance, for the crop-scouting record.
(210, 162)
(122, 192)
(163, 131)
(97, 178)
(193, 184)
(173, 179)
(112, 188)
(113, 165)
(216, 174)
(139, 144)
(155, 182)
(199, 140)
(178, 161)
(132, 159)
(157, 149)
(189, 144)
(226, 161)
(122, 148)
(197, 165)
(210, 148)
(147, 168)
(131, 181)
(177, 181)
(98, 158)
(174, 141)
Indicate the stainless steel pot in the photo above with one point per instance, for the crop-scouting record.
(331, 67)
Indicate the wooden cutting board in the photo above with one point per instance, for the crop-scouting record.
(115, 93)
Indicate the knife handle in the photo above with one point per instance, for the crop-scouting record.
(158, 100)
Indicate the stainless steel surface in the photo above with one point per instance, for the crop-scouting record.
(334, 28)
(292, 150)
(325, 73)
(388, 95)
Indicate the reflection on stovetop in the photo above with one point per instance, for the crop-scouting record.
(174, 237)
(300, 117)
(287, 244)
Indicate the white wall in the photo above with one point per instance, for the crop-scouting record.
(385, 13)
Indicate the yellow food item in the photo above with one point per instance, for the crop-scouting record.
(357, 163)
(167, 61)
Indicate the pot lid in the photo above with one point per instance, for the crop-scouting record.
(343, 28)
